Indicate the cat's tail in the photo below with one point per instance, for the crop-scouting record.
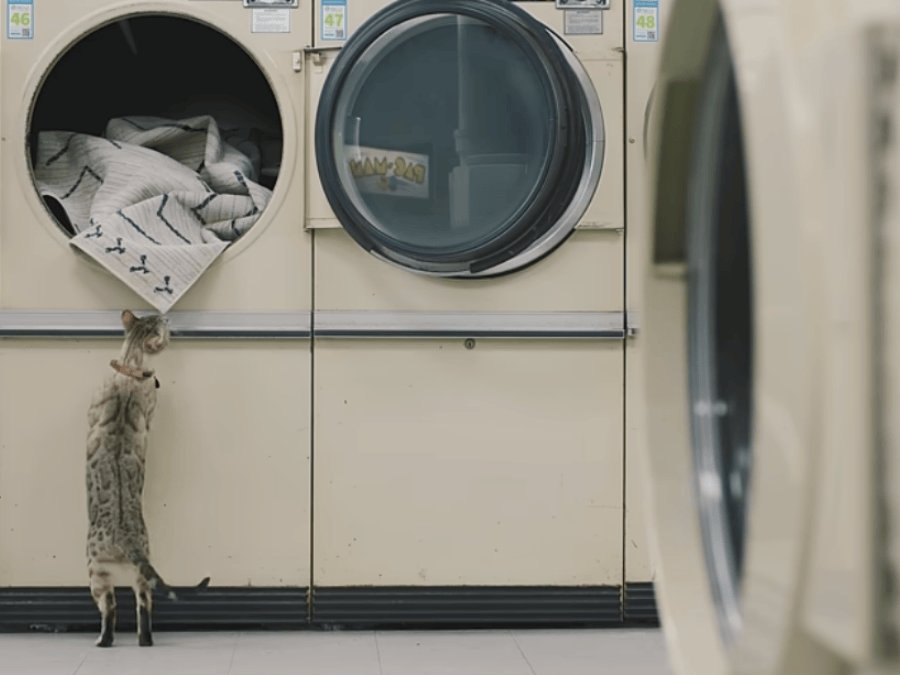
(156, 582)
(186, 592)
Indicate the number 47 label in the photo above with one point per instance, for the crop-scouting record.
(19, 20)
(334, 19)
(646, 20)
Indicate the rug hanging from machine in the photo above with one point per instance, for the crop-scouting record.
(154, 201)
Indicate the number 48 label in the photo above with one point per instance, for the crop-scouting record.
(646, 20)
(20, 15)
(334, 19)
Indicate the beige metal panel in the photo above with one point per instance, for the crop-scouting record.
(608, 45)
(227, 485)
(436, 464)
(274, 256)
(639, 566)
(584, 274)
(840, 605)
(603, 46)
(643, 65)
(318, 210)
(890, 389)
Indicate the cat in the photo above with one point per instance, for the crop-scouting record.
(118, 550)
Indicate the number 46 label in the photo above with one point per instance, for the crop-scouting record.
(646, 20)
(20, 15)
(334, 19)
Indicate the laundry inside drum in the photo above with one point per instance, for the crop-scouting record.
(161, 122)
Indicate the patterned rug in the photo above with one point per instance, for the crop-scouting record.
(154, 201)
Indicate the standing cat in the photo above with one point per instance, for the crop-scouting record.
(118, 549)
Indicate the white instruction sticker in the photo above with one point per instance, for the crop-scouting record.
(646, 20)
(594, 4)
(388, 172)
(271, 20)
(20, 20)
(584, 22)
(334, 19)
(271, 3)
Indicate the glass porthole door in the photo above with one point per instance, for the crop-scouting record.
(458, 138)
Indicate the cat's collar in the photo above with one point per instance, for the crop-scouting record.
(131, 371)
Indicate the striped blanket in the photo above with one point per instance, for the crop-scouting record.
(154, 201)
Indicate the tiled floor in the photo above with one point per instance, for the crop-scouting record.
(519, 652)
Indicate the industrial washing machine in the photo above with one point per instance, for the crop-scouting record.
(466, 201)
(232, 425)
(769, 278)
(645, 30)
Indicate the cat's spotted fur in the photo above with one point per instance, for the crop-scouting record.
(119, 418)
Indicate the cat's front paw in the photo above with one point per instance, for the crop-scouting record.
(104, 640)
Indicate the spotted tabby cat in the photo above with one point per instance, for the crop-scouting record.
(119, 417)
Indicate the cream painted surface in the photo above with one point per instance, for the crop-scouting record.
(499, 465)
(643, 66)
(841, 607)
(602, 46)
(682, 590)
(227, 490)
(318, 210)
(890, 402)
(783, 260)
(585, 274)
(639, 565)
(267, 270)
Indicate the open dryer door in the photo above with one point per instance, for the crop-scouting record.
(458, 138)
(733, 356)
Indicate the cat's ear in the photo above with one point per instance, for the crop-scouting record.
(128, 319)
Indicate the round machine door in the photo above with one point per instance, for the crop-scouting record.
(733, 289)
(458, 138)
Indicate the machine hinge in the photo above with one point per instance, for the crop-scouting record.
(315, 54)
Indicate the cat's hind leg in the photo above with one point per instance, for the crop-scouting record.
(104, 594)
(144, 601)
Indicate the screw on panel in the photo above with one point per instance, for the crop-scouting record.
(469, 343)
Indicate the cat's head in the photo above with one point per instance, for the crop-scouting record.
(149, 333)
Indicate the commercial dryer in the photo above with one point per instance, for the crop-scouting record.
(232, 424)
(645, 30)
(466, 201)
(768, 271)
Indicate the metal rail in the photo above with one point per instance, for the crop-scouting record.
(331, 324)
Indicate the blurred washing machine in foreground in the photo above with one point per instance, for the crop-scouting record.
(771, 306)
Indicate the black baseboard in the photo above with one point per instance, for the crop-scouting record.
(71, 609)
(466, 607)
(245, 608)
(639, 606)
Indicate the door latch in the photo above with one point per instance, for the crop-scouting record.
(315, 54)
